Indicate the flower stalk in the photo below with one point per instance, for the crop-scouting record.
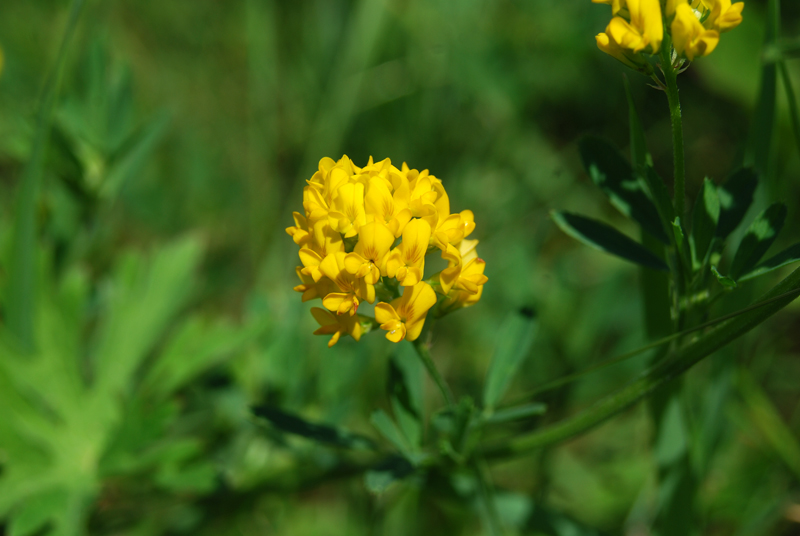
(673, 98)
(424, 353)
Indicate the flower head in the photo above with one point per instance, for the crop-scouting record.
(689, 37)
(365, 232)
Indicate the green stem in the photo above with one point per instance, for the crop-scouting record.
(671, 79)
(424, 354)
(666, 370)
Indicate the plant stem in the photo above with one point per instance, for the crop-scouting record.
(671, 79)
(424, 354)
(666, 370)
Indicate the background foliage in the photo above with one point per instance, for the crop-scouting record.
(181, 138)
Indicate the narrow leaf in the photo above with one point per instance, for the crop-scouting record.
(613, 174)
(514, 343)
(785, 257)
(22, 271)
(735, 197)
(321, 433)
(605, 238)
(762, 130)
(794, 113)
(758, 238)
(704, 222)
(390, 431)
(517, 413)
(638, 142)
(660, 194)
(725, 281)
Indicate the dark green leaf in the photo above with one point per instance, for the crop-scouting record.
(513, 345)
(758, 238)
(735, 197)
(787, 256)
(517, 413)
(794, 113)
(704, 222)
(605, 238)
(725, 281)
(638, 142)
(383, 475)
(658, 191)
(321, 433)
(762, 130)
(613, 174)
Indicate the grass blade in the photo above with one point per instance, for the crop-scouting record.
(22, 270)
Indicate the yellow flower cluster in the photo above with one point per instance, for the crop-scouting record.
(637, 27)
(365, 234)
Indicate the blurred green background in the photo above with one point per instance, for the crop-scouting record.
(183, 134)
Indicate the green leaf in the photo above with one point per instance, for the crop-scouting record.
(322, 433)
(407, 415)
(517, 413)
(613, 174)
(514, 343)
(725, 281)
(794, 113)
(658, 191)
(605, 238)
(379, 478)
(769, 421)
(391, 432)
(758, 238)
(705, 218)
(735, 197)
(785, 257)
(759, 146)
(638, 143)
(21, 295)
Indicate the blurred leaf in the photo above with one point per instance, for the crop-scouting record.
(516, 413)
(638, 143)
(766, 418)
(132, 155)
(605, 238)
(513, 345)
(389, 430)
(784, 258)
(321, 433)
(658, 191)
(735, 197)
(379, 478)
(21, 295)
(762, 130)
(758, 238)
(704, 222)
(723, 280)
(613, 174)
(794, 113)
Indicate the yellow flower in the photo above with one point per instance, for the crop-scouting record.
(689, 37)
(336, 325)
(352, 218)
(383, 206)
(468, 288)
(374, 242)
(404, 317)
(616, 5)
(348, 214)
(313, 289)
(352, 288)
(645, 30)
(406, 262)
(613, 49)
(298, 232)
(724, 17)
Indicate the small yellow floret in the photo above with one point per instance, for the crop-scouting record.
(689, 37)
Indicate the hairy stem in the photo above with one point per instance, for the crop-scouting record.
(671, 79)
(424, 354)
